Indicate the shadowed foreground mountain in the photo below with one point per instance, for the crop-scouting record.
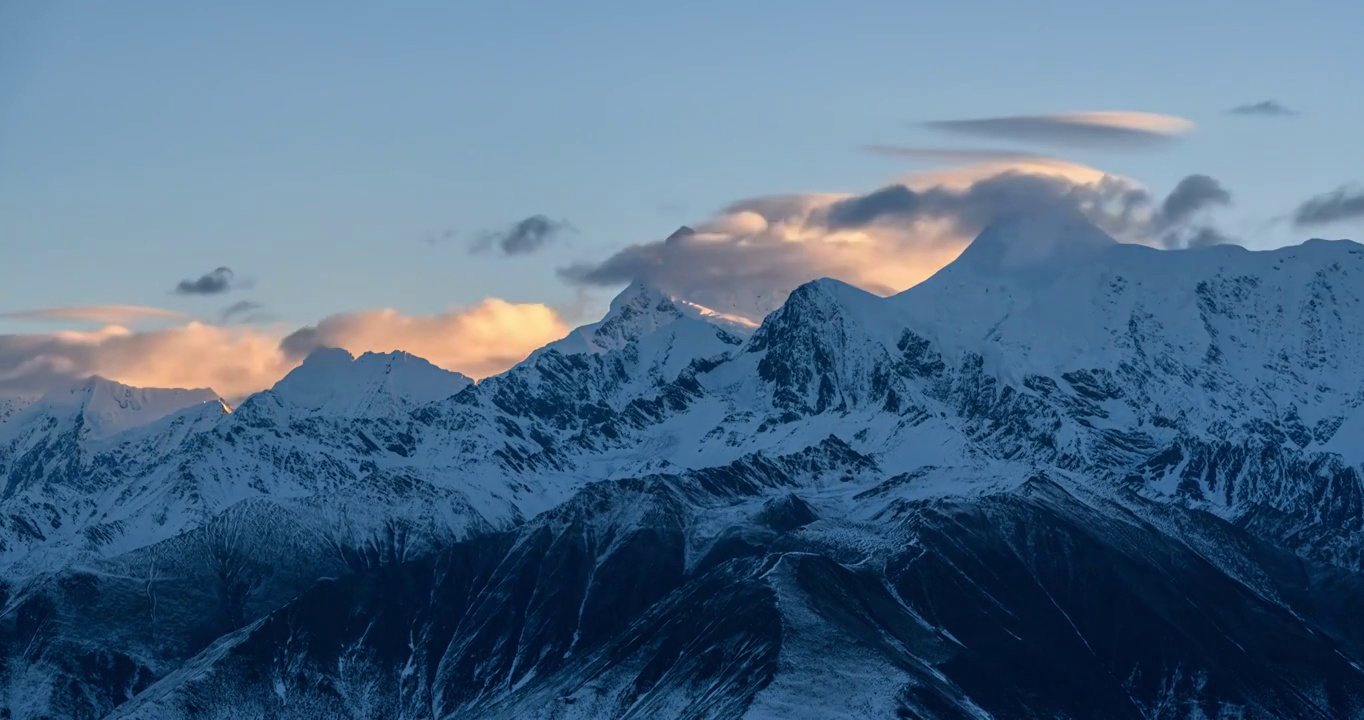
(1062, 478)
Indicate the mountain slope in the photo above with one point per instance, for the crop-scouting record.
(973, 607)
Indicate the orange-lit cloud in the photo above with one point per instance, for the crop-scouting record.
(104, 314)
(231, 361)
(750, 255)
(478, 341)
(746, 258)
(235, 361)
(965, 175)
(1129, 120)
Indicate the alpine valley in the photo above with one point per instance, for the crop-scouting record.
(1064, 477)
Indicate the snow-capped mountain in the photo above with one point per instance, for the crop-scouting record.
(98, 409)
(334, 383)
(59, 454)
(1063, 477)
(638, 313)
(626, 368)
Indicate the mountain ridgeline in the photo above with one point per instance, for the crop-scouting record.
(1064, 477)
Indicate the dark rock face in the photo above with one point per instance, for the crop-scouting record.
(1063, 612)
(1028, 603)
(787, 513)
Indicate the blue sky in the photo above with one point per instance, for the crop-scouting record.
(313, 152)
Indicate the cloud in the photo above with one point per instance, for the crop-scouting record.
(1084, 129)
(747, 258)
(964, 166)
(215, 282)
(524, 237)
(104, 314)
(1343, 203)
(231, 361)
(953, 156)
(480, 340)
(1191, 197)
(747, 274)
(1267, 108)
(970, 209)
(243, 311)
(1192, 194)
(1205, 237)
(1193, 236)
(440, 237)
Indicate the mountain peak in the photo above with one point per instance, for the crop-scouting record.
(107, 407)
(328, 357)
(1026, 240)
(830, 287)
(836, 296)
(643, 298)
(640, 297)
(331, 380)
(643, 311)
(680, 233)
(97, 387)
(825, 300)
(639, 309)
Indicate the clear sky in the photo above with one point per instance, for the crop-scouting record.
(318, 153)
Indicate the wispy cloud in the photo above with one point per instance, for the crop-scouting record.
(1193, 194)
(1266, 108)
(441, 237)
(1342, 204)
(1206, 236)
(1174, 224)
(215, 282)
(1084, 129)
(523, 237)
(952, 156)
(104, 314)
(243, 311)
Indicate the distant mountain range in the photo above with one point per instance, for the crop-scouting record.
(1062, 478)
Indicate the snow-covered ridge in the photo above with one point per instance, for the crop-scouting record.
(1096, 304)
(736, 324)
(1045, 339)
(331, 381)
(1044, 242)
(102, 408)
(637, 311)
(640, 310)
